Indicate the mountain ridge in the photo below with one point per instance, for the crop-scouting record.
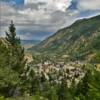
(78, 39)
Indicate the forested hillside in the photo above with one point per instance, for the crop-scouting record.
(80, 40)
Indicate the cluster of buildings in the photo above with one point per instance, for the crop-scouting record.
(55, 72)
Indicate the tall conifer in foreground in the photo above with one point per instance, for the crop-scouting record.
(11, 35)
(17, 59)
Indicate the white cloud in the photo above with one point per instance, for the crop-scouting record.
(61, 5)
(35, 14)
(88, 4)
(43, 15)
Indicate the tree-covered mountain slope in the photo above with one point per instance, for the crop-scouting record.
(81, 39)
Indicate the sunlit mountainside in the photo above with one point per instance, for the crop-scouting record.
(81, 39)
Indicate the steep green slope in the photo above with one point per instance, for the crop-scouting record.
(79, 39)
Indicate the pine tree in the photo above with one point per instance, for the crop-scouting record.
(83, 86)
(53, 94)
(11, 36)
(17, 59)
(8, 77)
(63, 92)
(94, 86)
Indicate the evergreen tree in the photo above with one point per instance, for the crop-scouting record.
(35, 83)
(63, 92)
(85, 82)
(53, 94)
(17, 57)
(8, 77)
(94, 87)
(11, 36)
(83, 86)
(12, 63)
(46, 89)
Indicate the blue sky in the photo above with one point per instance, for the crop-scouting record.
(38, 19)
(18, 2)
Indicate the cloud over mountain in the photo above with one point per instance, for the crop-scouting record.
(61, 5)
(46, 16)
